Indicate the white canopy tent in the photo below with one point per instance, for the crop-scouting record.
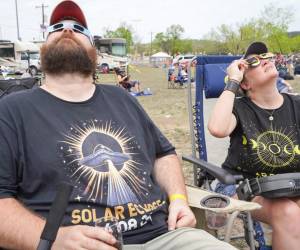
(160, 58)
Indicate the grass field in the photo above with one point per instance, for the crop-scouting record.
(166, 107)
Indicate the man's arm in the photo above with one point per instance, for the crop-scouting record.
(20, 228)
(168, 174)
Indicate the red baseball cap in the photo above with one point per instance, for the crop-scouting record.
(68, 10)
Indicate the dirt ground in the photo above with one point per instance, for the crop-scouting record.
(168, 109)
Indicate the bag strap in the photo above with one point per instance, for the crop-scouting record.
(248, 189)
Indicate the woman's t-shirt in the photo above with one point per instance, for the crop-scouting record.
(265, 142)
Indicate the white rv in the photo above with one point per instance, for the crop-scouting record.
(111, 53)
(20, 56)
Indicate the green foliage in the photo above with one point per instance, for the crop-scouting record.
(123, 31)
(161, 42)
(271, 27)
(171, 41)
(295, 44)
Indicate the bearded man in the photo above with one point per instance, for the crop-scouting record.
(100, 140)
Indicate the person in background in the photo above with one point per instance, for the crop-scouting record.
(125, 82)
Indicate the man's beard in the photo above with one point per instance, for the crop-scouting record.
(66, 54)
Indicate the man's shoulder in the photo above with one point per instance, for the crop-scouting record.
(114, 91)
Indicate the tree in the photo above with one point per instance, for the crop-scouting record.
(295, 44)
(161, 42)
(171, 41)
(173, 34)
(271, 27)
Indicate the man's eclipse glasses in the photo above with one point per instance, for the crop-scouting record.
(71, 25)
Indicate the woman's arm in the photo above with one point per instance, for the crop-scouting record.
(222, 121)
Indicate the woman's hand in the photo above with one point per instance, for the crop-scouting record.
(236, 70)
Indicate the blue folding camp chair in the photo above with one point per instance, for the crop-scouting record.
(210, 74)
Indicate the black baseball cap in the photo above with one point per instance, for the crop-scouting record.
(256, 48)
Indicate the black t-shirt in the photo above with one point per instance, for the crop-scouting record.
(105, 146)
(262, 146)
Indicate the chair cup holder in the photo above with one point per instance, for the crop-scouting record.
(215, 219)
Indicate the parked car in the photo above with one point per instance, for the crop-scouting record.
(183, 59)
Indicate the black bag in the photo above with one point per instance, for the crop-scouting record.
(275, 186)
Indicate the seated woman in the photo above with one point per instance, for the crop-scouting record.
(182, 76)
(263, 126)
(125, 82)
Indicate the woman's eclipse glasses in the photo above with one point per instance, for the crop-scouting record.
(255, 60)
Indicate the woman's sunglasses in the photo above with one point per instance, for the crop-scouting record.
(255, 60)
(71, 25)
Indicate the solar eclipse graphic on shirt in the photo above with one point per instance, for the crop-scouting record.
(99, 159)
(274, 149)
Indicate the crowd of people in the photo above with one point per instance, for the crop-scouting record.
(287, 66)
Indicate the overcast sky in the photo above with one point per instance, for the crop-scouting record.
(197, 17)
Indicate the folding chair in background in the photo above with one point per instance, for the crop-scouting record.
(13, 85)
(210, 74)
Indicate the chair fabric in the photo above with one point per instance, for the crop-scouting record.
(13, 85)
(210, 71)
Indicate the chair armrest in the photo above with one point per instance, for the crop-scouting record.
(221, 174)
(196, 194)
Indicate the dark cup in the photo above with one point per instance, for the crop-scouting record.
(111, 225)
(215, 220)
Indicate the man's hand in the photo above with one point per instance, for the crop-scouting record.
(83, 237)
(180, 215)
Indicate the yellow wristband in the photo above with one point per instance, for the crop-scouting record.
(174, 197)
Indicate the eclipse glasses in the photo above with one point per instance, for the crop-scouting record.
(255, 60)
(71, 25)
